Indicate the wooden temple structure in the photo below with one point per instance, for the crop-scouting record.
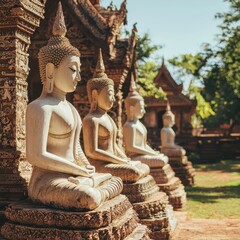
(182, 107)
(24, 28)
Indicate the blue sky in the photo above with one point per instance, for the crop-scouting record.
(181, 26)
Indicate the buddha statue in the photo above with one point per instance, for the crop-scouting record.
(177, 155)
(100, 131)
(62, 176)
(135, 133)
(135, 140)
(168, 146)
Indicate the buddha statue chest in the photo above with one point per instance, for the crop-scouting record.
(106, 130)
(61, 131)
(140, 134)
(62, 121)
(171, 134)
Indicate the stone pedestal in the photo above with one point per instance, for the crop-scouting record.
(171, 185)
(13, 186)
(152, 207)
(115, 219)
(183, 169)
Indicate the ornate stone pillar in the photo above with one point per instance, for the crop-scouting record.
(19, 19)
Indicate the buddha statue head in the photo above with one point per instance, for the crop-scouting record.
(168, 117)
(59, 60)
(100, 88)
(134, 102)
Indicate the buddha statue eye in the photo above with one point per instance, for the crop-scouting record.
(72, 69)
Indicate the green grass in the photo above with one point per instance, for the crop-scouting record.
(216, 193)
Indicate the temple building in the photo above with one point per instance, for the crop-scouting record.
(182, 107)
(24, 29)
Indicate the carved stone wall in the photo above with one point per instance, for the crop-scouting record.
(19, 19)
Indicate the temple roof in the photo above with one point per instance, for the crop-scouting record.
(171, 88)
(103, 25)
(100, 26)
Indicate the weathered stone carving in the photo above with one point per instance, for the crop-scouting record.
(19, 20)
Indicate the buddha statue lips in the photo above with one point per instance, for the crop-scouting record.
(168, 136)
(62, 176)
(135, 133)
(100, 131)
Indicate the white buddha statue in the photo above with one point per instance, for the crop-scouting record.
(135, 133)
(100, 131)
(62, 176)
(168, 145)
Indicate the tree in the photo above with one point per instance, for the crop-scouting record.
(218, 69)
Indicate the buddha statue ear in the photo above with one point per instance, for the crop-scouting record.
(94, 99)
(50, 70)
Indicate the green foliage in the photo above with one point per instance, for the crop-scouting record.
(218, 69)
(203, 109)
(147, 72)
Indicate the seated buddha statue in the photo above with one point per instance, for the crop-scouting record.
(100, 131)
(135, 133)
(168, 146)
(62, 176)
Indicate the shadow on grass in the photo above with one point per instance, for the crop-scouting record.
(224, 166)
(211, 195)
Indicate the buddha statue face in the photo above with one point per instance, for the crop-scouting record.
(169, 120)
(134, 104)
(105, 98)
(138, 109)
(66, 76)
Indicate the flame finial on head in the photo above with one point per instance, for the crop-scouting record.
(100, 68)
(59, 27)
(168, 108)
(133, 86)
(168, 112)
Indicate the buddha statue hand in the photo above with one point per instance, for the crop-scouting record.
(94, 181)
(90, 168)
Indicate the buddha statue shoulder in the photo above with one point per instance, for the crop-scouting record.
(168, 145)
(100, 130)
(135, 133)
(62, 176)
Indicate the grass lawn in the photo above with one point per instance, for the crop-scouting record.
(216, 193)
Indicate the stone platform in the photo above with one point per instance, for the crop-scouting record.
(152, 207)
(183, 169)
(171, 185)
(113, 220)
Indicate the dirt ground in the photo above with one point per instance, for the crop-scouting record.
(206, 229)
